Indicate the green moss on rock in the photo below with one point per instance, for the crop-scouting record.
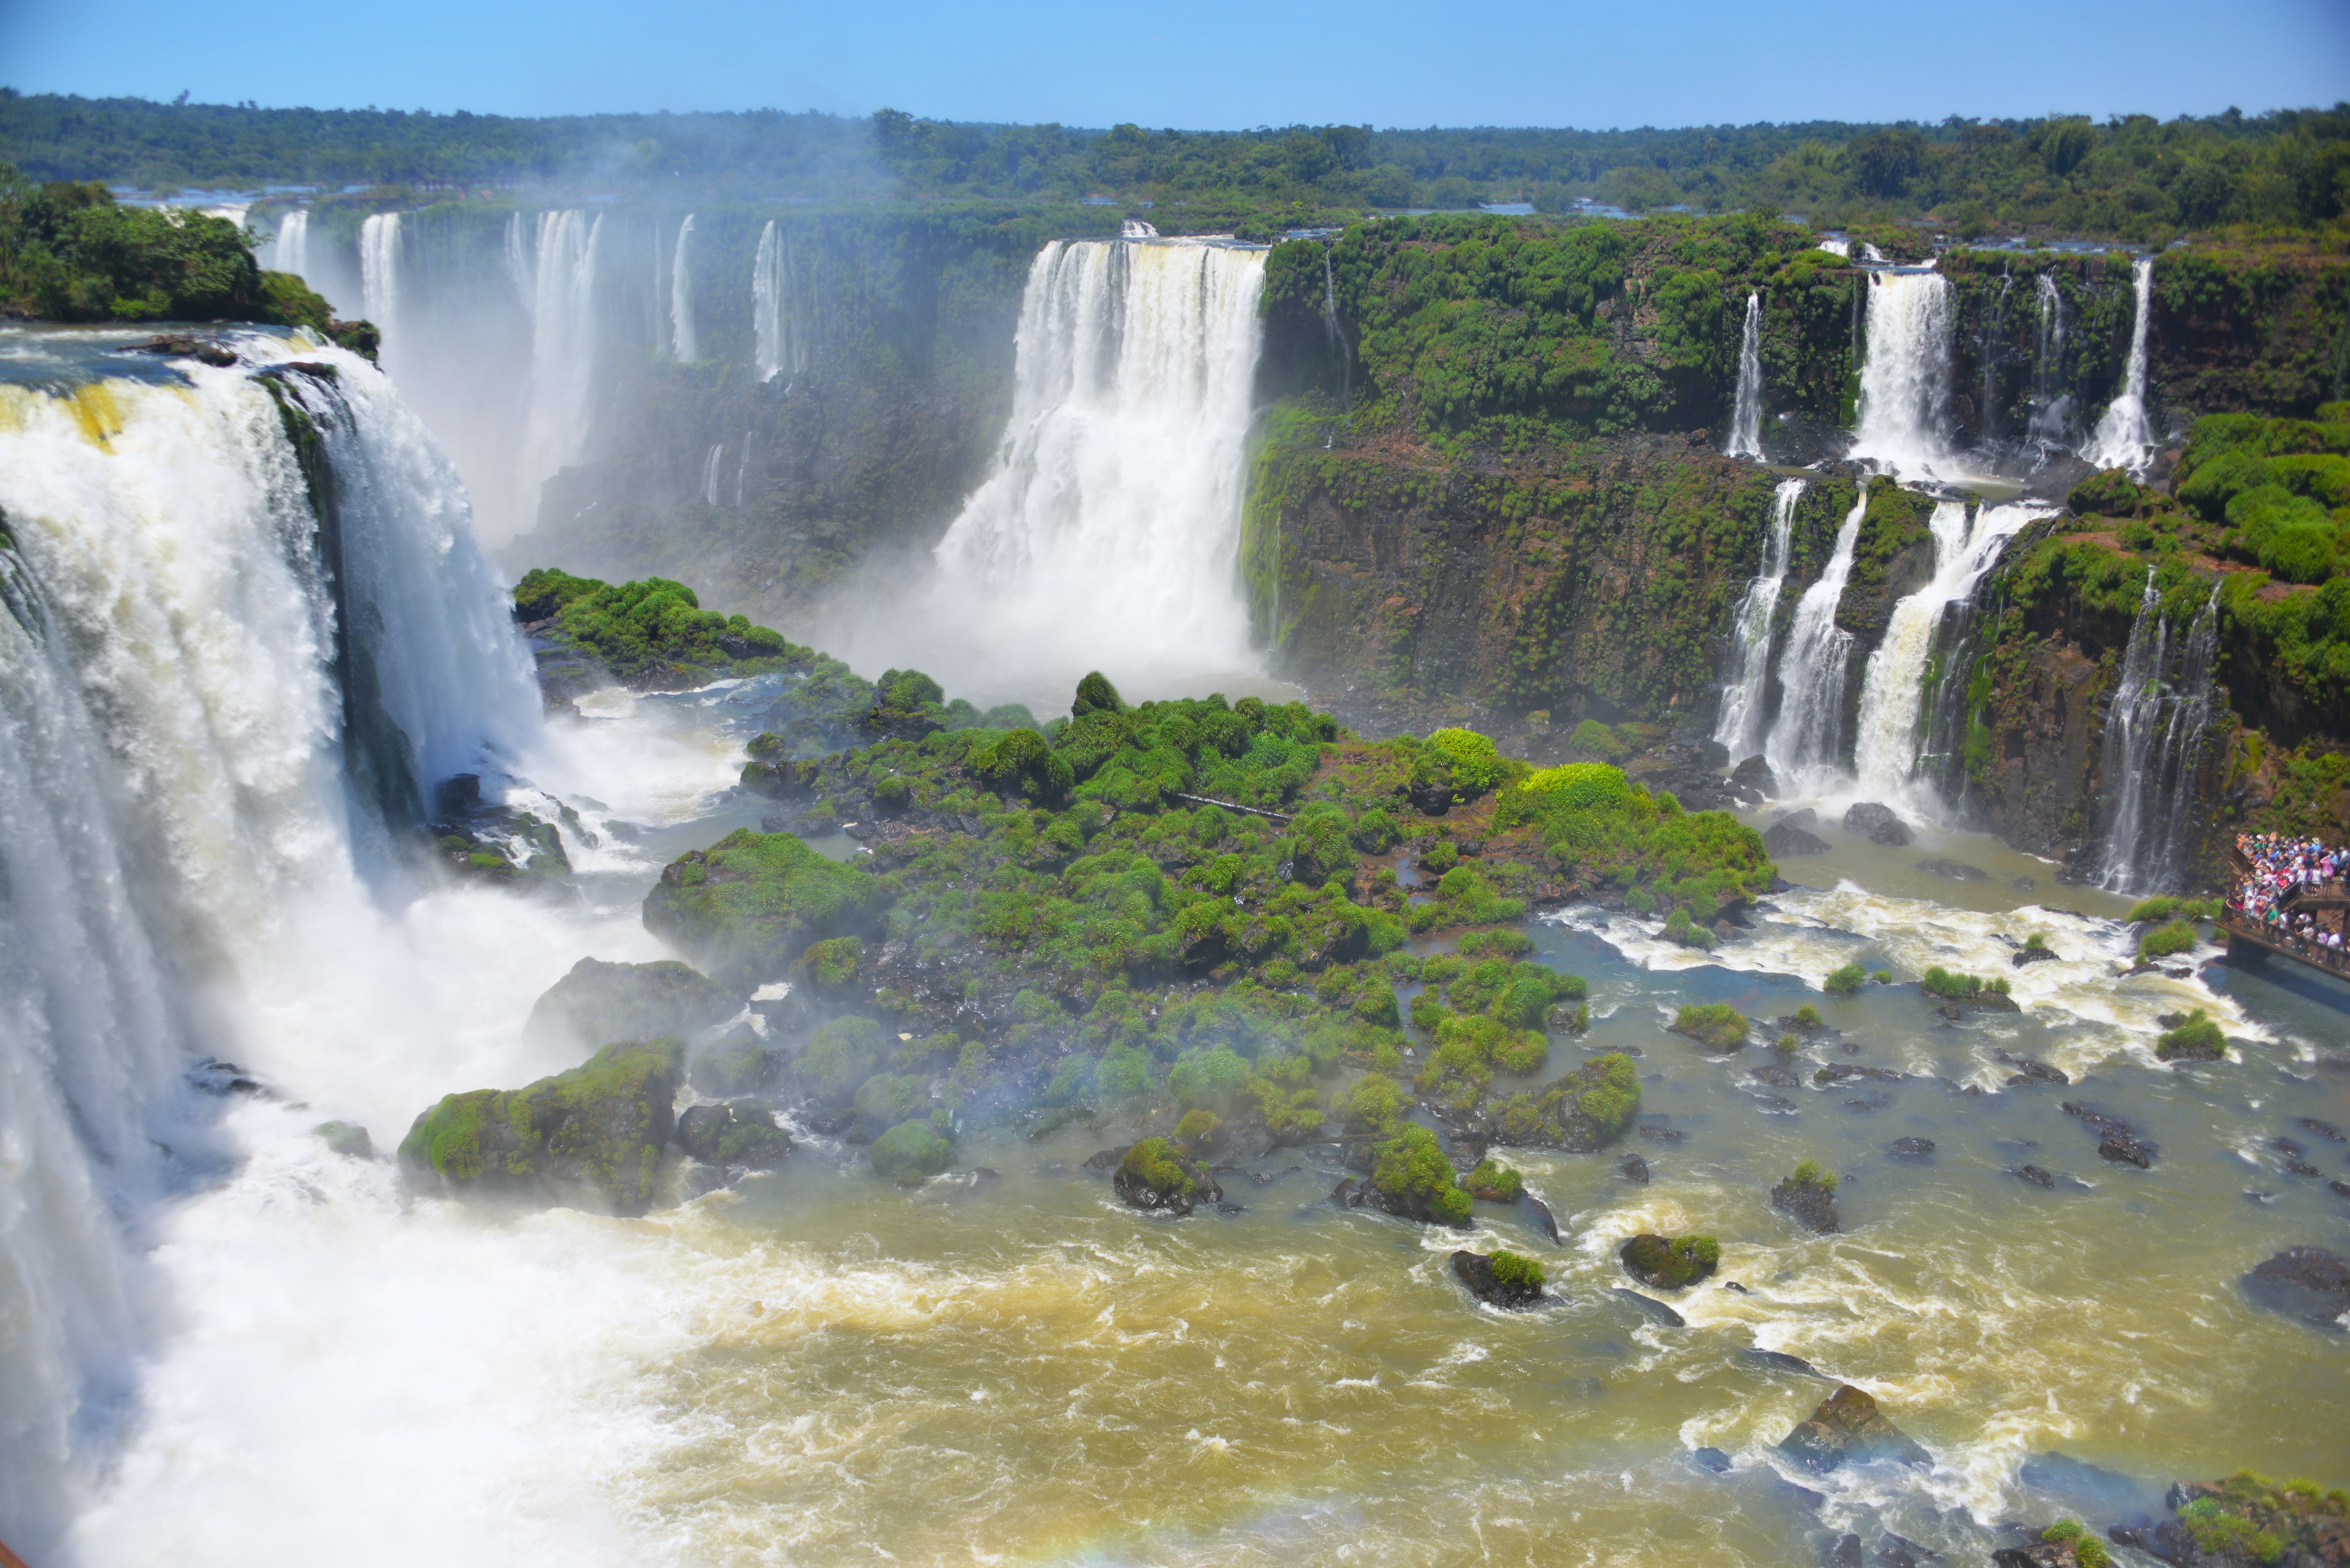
(909, 1152)
(1669, 1262)
(754, 902)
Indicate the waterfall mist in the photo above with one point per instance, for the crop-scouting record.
(2124, 436)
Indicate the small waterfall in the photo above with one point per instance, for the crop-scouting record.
(1112, 519)
(1746, 419)
(561, 271)
(2124, 437)
(767, 304)
(1136, 229)
(2152, 747)
(175, 622)
(379, 275)
(681, 345)
(1806, 739)
(1905, 379)
(2052, 416)
(710, 476)
(1740, 727)
(1893, 691)
(1336, 335)
(293, 252)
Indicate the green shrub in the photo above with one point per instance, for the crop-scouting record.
(1206, 1078)
(2198, 1038)
(1494, 1181)
(1671, 1262)
(1516, 1272)
(1714, 1025)
(910, 1152)
(1787, 1044)
(1198, 1129)
(1410, 1169)
(2178, 937)
(1375, 832)
(1883, 977)
(1153, 1163)
(1807, 1018)
(1957, 987)
(1593, 738)
(1811, 1173)
(1845, 981)
(1372, 1106)
(1477, 765)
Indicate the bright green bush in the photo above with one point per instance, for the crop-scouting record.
(1811, 1173)
(1494, 1181)
(2198, 1038)
(1714, 1025)
(1410, 1169)
(1517, 1273)
(910, 1152)
(1477, 765)
(2165, 942)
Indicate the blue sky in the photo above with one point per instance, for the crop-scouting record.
(1590, 66)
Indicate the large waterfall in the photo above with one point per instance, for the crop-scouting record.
(1893, 691)
(2124, 437)
(1740, 727)
(683, 345)
(778, 315)
(2153, 744)
(293, 250)
(1111, 525)
(1746, 415)
(561, 276)
(1905, 376)
(1804, 742)
(183, 644)
(379, 277)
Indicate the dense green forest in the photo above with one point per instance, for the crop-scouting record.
(2134, 176)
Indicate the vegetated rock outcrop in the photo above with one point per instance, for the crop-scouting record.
(1669, 1262)
(590, 1138)
(1501, 1279)
(1808, 1196)
(741, 1133)
(1849, 1429)
(2245, 1519)
(598, 1001)
(752, 903)
(1156, 1174)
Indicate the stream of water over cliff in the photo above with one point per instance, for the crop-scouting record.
(242, 1347)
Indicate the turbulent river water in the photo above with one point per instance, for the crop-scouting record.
(818, 1367)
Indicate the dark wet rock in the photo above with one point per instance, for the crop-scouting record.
(1632, 1167)
(2031, 1072)
(1103, 1160)
(183, 346)
(2030, 955)
(1754, 777)
(2124, 1147)
(2339, 1188)
(1669, 1262)
(1784, 843)
(1655, 1134)
(2301, 1167)
(2024, 885)
(1654, 1308)
(1811, 1204)
(2036, 1554)
(2036, 1176)
(1734, 1285)
(1845, 1072)
(2254, 1195)
(1775, 1105)
(345, 1138)
(1779, 1361)
(2306, 1283)
(214, 1076)
(1543, 1219)
(740, 1133)
(600, 1003)
(1267, 1178)
(1843, 1552)
(1155, 1175)
(1770, 1073)
(1805, 819)
(735, 1066)
(1877, 822)
(1713, 1460)
(1954, 870)
(1911, 1149)
(1476, 1270)
(1900, 1552)
(1347, 1194)
(2109, 1490)
(2325, 1130)
(2286, 1145)
(1849, 1428)
(1869, 1103)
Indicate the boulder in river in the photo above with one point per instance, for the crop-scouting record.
(1669, 1262)
(1784, 841)
(347, 1140)
(1849, 1428)
(1502, 1279)
(598, 1003)
(2307, 1283)
(1632, 1167)
(1807, 819)
(1543, 1220)
(2037, 1176)
(1753, 780)
(1911, 1150)
(738, 1133)
(1875, 822)
(752, 903)
(1954, 870)
(1154, 1173)
(1654, 1308)
(1808, 1196)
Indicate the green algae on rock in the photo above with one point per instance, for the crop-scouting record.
(597, 1001)
(752, 903)
(1669, 1262)
(587, 1139)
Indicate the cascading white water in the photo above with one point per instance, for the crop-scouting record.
(710, 476)
(2124, 437)
(1893, 690)
(1746, 416)
(380, 278)
(2153, 742)
(1111, 523)
(562, 300)
(172, 785)
(293, 252)
(1905, 379)
(683, 347)
(768, 302)
(1802, 745)
(2051, 409)
(1740, 727)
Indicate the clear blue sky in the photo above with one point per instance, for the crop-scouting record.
(1208, 67)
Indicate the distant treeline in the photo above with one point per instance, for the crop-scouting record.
(2132, 177)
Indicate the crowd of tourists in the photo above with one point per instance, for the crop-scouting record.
(2280, 865)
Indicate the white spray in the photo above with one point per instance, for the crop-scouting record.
(1746, 417)
(681, 345)
(1740, 727)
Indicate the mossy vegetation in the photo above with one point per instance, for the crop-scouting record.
(1412, 1178)
(1671, 1262)
(1584, 1110)
(2197, 1038)
(1951, 986)
(754, 902)
(909, 1151)
(1493, 1183)
(1846, 980)
(2249, 1517)
(1811, 1173)
(1515, 1273)
(1716, 1025)
(2166, 941)
(2088, 1552)
(654, 634)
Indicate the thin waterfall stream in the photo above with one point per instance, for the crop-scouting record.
(1804, 742)
(1739, 726)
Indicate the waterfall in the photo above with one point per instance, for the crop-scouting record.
(1746, 420)
(710, 476)
(293, 252)
(1136, 229)
(2051, 409)
(1336, 333)
(2152, 746)
(1905, 379)
(174, 776)
(1804, 742)
(741, 467)
(379, 275)
(1740, 727)
(562, 279)
(681, 346)
(1112, 520)
(2124, 437)
(1893, 691)
(768, 302)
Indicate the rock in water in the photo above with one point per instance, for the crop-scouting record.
(2307, 1282)
(347, 1140)
(1780, 1361)
(1956, 871)
(2036, 1554)
(600, 1003)
(1670, 1263)
(1784, 839)
(589, 1139)
(1877, 822)
(1713, 1460)
(1487, 1285)
(1811, 1204)
(1543, 1220)
(1754, 777)
(752, 903)
(1844, 1553)
(741, 1133)
(1654, 1308)
(1634, 1168)
(1154, 1175)
(1848, 1426)
(1911, 1150)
